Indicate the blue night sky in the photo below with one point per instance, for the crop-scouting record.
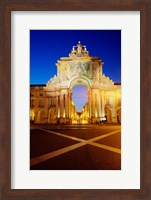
(47, 46)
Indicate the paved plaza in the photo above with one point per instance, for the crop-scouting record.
(75, 147)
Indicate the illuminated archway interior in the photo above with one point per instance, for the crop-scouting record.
(79, 97)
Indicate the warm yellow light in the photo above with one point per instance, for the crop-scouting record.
(32, 114)
(64, 114)
(84, 122)
(58, 112)
(118, 94)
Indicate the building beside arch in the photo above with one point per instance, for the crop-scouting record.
(52, 103)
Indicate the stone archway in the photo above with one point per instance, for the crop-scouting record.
(37, 116)
(80, 100)
(77, 69)
(52, 116)
(108, 114)
(82, 80)
(80, 117)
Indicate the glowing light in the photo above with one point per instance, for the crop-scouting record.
(32, 114)
(58, 112)
(64, 113)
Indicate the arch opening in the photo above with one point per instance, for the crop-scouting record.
(80, 101)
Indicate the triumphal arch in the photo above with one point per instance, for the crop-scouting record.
(52, 103)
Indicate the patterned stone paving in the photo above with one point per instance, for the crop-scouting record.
(89, 148)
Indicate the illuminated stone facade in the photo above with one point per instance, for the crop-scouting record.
(53, 103)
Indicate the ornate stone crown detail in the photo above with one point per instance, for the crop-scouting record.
(79, 51)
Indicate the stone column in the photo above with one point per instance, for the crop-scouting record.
(93, 106)
(57, 110)
(70, 105)
(114, 114)
(61, 106)
(46, 107)
(98, 109)
(102, 106)
(89, 100)
(99, 105)
(38, 117)
(66, 106)
(64, 111)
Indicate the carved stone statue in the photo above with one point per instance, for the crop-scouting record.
(79, 51)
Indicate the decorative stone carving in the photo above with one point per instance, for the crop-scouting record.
(54, 82)
(79, 51)
(106, 82)
(79, 69)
